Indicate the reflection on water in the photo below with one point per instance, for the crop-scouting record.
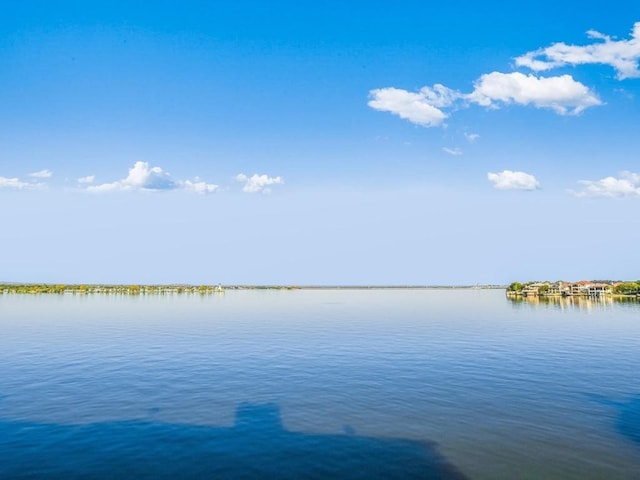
(257, 446)
(580, 302)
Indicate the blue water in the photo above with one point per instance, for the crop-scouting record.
(446, 384)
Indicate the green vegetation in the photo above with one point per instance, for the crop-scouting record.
(34, 288)
(515, 287)
(627, 288)
(84, 289)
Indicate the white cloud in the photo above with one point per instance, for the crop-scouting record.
(258, 183)
(143, 177)
(628, 185)
(622, 55)
(88, 179)
(42, 174)
(471, 137)
(17, 184)
(439, 95)
(452, 151)
(198, 186)
(419, 108)
(508, 180)
(562, 94)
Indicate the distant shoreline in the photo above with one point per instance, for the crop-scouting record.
(138, 289)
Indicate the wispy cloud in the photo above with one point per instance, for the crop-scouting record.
(198, 186)
(87, 180)
(41, 174)
(258, 183)
(452, 151)
(471, 137)
(143, 177)
(419, 108)
(509, 180)
(622, 55)
(626, 185)
(17, 184)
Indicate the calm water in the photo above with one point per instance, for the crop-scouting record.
(456, 384)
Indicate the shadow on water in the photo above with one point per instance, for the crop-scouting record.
(627, 418)
(257, 446)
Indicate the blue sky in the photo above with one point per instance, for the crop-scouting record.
(318, 143)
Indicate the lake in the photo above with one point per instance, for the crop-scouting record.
(442, 384)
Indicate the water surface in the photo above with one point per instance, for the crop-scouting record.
(452, 384)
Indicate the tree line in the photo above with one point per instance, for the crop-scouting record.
(44, 288)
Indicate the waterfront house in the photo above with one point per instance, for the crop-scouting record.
(597, 289)
(592, 289)
(559, 288)
(532, 290)
(579, 288)
(582, 288)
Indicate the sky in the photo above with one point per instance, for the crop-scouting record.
(316, 143)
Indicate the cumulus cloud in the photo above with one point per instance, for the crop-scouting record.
(258, 183)
(627, 185)
(508, 180)
(17, 184)
(143, 177)
(622, 55)
(471, 137)
(420, 108)
(452, 151)
(88, 179)
(562, 94)
(41, 174)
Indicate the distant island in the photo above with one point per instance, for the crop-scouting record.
(582, 288)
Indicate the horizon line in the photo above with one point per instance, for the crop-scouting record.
(267, 286)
